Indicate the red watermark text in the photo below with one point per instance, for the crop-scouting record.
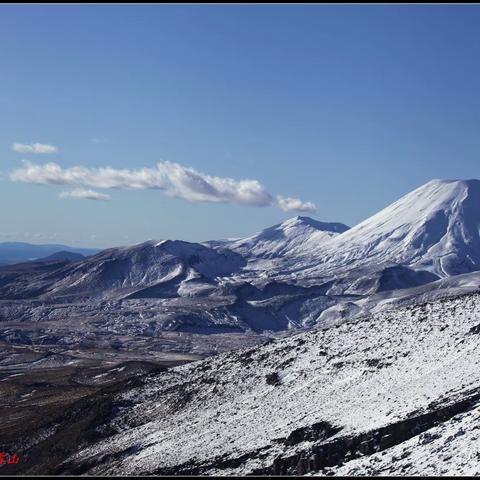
(9, 458)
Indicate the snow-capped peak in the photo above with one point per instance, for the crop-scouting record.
(435, 227)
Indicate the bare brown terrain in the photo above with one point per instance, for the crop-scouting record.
(51, 397)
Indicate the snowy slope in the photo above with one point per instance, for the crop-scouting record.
(321, 401)
(169, 266)
(448, 449)
(436, 228)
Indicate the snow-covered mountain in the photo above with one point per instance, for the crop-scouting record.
(436, 228)
(430, 233)
(152, 269)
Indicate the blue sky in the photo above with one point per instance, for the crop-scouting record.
(346, 107)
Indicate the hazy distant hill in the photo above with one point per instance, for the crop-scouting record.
(16, 252)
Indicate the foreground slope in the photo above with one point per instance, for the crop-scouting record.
(326, 400)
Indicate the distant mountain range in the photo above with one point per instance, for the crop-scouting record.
(16, 252)
(299, 273)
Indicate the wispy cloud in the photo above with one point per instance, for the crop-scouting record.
(80, 193)
(295, 204)
(34, 148)
(172, 178)
(104, 177)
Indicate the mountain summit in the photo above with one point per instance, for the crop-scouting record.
(297, 236)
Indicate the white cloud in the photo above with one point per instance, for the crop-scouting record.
(80, 193)
(289, 203)
(105, 177)
(34, 148)
(191, 185)
(172, 178)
